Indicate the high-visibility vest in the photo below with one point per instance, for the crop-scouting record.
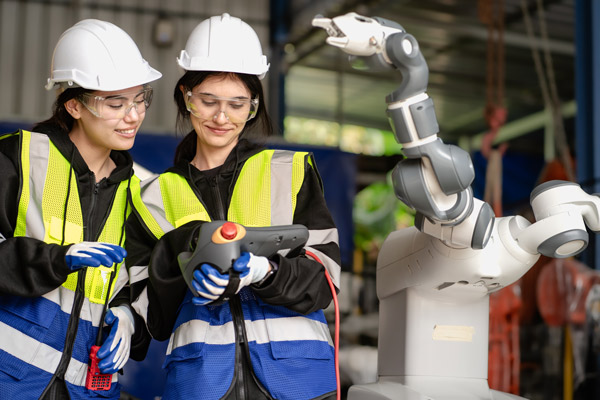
(203, 337)
(38, 326)
(264, 194)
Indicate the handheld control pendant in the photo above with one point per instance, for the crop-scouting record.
(222, 242)
(96, 380)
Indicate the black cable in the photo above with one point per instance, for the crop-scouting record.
(112, 275)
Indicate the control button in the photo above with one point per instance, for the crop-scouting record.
(229, 230)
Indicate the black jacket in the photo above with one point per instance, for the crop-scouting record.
(299, 283)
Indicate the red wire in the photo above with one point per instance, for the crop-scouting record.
(337, 324)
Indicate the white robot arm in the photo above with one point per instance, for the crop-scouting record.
(433, 282)
(435, 178)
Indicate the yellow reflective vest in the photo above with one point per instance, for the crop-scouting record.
(34, 329)
(264, 194)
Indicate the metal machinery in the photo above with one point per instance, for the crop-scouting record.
(434, 279)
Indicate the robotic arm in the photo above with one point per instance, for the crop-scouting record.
(435, 178)
(434, 279)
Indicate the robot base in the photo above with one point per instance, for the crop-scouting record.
(427, 388)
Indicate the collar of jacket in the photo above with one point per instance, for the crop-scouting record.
(68, 149)
(243, 150)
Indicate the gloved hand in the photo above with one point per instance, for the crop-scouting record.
(93, 254)
(252, 269)
(114, 353)
(209, 283)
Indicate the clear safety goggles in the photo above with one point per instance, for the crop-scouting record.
(207, 106)
(117, 106)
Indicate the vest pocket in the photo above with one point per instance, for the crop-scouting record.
(24, 327)
(307, 349)
(187, 342)
(12, 366)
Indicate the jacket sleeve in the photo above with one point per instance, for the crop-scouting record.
(30, 267)
(138, 244)
(159, 288)
(300, 283)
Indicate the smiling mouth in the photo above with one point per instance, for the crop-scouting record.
(126, 132)
(218, 130)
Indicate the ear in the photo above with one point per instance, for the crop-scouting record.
(183, 90)
(73, 107)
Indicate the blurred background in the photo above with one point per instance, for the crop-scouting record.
(519, 78)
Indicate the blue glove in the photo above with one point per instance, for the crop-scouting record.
(252, 269)
(114, 353)
(209, 283)
(93, 254)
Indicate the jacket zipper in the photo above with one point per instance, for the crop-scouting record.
(73, 325)
(241, 344)
(214, 185)
(240, 337)
(92, 207)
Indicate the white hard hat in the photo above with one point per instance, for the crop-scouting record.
(224, 43)
(98, 55)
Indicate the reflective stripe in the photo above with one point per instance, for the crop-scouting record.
(197, 331)
(145, 197)
(260, 331)
(122, 279)
(322, 236)
(138, 273)
(288, 328)
(140, 305)
(282, 212)
(41, 355)
(64, 298)
(330, 265)
(34, 166)
(298, 172)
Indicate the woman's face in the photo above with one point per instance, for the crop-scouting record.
(109, 119)
(221, 129)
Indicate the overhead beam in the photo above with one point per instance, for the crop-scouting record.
(519, 127)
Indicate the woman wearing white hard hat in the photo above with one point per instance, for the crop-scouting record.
(269, 339)
(63, 202)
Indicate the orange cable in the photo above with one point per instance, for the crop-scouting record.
(337, 324)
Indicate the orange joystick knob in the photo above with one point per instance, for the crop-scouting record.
(229, 230)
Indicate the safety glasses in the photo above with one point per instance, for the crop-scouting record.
(117, 106)
(207, 106)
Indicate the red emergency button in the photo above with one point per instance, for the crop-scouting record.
(229, 230)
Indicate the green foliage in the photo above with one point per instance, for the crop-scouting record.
(377, 212)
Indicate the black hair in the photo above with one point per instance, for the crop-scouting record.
(60, 120)
(259, 127)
